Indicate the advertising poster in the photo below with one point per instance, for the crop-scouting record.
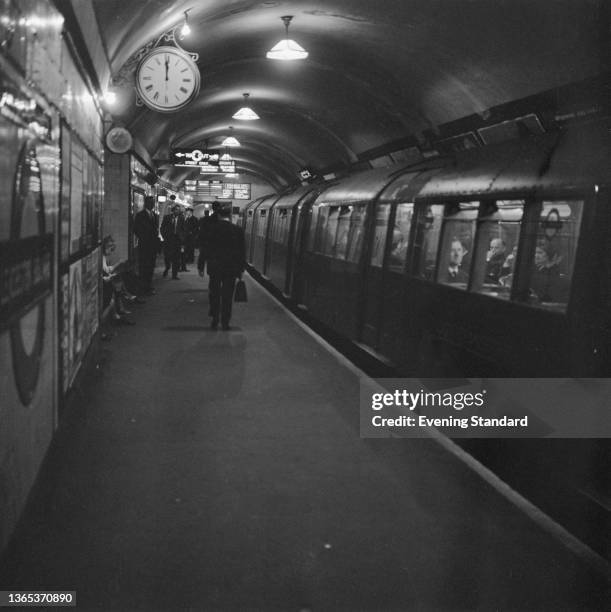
(75, 320)
(64, 210)
(80, 312)
(76, 197)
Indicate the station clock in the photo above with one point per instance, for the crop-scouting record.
(167, 79)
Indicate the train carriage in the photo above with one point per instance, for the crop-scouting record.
(284, 217)
(494, 262)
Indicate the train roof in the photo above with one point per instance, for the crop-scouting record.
(288, 200)
(360, 187)
(573, 157)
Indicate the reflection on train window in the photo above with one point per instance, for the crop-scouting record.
(554, 256)
(400, 237)
(427, 239)
(312, 231)
(498, 237)
(457, 242)
(330, 231)
(261, 223)
(280, 226)
(343, 229)
(379, 237)
(355, 237)
(321, 227)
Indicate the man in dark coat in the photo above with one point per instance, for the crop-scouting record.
(226, 255)
(191, 234)
(146, 230)
(204, 234)
(173, 234)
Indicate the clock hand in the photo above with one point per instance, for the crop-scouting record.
(167, 65)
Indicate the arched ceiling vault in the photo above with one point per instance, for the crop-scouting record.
(377, 71)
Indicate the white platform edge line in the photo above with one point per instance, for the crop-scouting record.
(543, 520)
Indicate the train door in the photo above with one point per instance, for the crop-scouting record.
(294, 282)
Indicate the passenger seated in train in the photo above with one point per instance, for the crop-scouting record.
(495, 259)
(547, 283)
(455, 273)
(114, 292)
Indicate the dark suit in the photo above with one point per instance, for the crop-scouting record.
(147, 232)
(203, 239)
(226, 255)
(192, 232)
(173, 234)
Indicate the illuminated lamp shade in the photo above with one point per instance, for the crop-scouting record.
(246, 113)
(230, 141)
(185, 30)
(287, 49)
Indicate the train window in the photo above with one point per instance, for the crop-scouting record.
(313, 229)
(261, 223)
(280, 226)
(457, 244)
(497, 245)
(328, 241)
(343, 229)
(427, 240)
(551, 268)
(355, 237)
(400, 237)
(379, 236)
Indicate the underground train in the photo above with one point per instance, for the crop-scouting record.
(491, 262)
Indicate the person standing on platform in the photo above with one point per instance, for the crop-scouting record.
(205, 224)
(173, 234)
(146, 230)
(191, 233)
(226, 255)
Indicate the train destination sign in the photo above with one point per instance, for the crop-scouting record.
(224, 191)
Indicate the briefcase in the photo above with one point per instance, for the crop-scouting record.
(240, 294)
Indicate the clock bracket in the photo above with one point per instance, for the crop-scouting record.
(170, 37)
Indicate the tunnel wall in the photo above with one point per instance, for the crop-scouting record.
(51, 173)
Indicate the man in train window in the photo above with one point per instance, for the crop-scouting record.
(547, 284)
(457, 253)
(495, 258)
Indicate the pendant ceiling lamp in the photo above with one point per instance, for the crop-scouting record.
(231, 140)
(287, 49)
(185, 30)
(246, 113)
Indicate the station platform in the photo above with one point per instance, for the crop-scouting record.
(223, 470)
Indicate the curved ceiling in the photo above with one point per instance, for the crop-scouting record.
(377, 71)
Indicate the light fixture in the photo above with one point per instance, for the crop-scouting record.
(246, 113)
(185, 30)
(231, 141)
(110, 97)
(287, 49)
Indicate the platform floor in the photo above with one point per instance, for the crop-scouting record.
(218, 470)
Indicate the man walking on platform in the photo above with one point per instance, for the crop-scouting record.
(146, 230)
(226, 255)
(173, 234)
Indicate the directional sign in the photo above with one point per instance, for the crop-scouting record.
(194, 158)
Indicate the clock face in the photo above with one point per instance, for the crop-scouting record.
(167, 79)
